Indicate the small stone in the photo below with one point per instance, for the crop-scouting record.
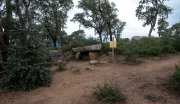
(93, 62)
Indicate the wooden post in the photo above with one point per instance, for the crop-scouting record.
(113, 51)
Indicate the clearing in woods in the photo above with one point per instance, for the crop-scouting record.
(75, 85)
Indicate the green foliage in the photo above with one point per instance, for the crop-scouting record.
(150, 10)
(27, 68)
(174, 80)
(149, 96)
(66, 48)
(110, 91)
(50, 48)
(61, 66)
(101, 16)
(140, 48)
(130, 53)
(53, 17)
(175, 32)
(105, 47)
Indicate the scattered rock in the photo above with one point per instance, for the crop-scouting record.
(69, 55)
(56, 53)
(93, 62)
(109, 53)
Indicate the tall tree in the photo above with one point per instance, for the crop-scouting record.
(108, 13)
(54, 17)
(149, 10)
(99, 15)
(30, 67)
(91, 17)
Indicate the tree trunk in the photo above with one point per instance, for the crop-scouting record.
(149, 35)
(4, 51)
(152, 27)
(3, 46)
(54, 43)
(61, 41)
(100, 36)
(8, 21)
(110, 32)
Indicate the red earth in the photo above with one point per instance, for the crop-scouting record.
(76, 84)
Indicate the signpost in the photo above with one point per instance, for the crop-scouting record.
(113, 45)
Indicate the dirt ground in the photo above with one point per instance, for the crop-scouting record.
(75, 85)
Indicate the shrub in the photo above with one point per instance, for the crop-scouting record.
(149, 96)
(174, 80)
(105, 47)
(110, 91)
(61, 66)
(27, 68)
(50, 48)
(131, 53)
(66, 48)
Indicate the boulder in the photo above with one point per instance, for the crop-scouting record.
(93, 55)
(135, 38)
(96, 47)
(109, 53)
(68, 58)
(68, 53)
(56, 53)
(78, 56)
(93, 62)
(78, 49)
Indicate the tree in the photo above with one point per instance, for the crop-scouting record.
(76, 38)
(117, 29)
(99, 15)
(91, 17)
(175, 32)
(27, 66)
(162, 27)
(108, 12)
(54, 17)
(149, 10)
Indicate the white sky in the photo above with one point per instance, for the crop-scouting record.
(127, 14)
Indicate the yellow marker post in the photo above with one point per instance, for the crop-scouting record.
(113, 45)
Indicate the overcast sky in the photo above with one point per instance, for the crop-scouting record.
(127, 13)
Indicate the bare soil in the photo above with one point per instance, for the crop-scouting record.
(76, 84)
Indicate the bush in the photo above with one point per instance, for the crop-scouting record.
(106, 48)
(149, 96)
(50, 48)
(61, 66)
(27, 68)
(110, 91)
(66, 48)
(174, 80)
(131, 53)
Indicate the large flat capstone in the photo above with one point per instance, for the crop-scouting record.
(96, 47)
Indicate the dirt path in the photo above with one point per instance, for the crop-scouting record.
(75, 85)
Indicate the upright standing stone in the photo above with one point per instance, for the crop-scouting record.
(78, 56)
